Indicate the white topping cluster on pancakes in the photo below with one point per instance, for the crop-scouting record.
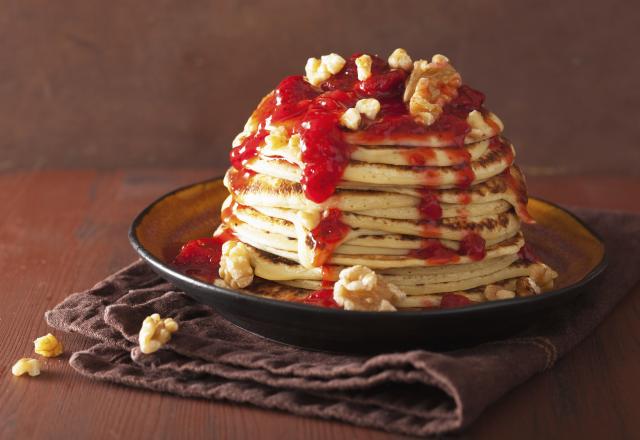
(427, 205)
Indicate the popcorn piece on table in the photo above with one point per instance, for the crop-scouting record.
(235, 265)
(26, 366)
(400, 59)
(155, 332)
(368, 107)
(48, 346)
(360, 288)
(363, 63)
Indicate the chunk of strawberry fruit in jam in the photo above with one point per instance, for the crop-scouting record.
(292, 97)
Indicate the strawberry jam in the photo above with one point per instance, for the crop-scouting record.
(328, 235)
(429, 207)
(201, 258)
(314, 114)
(434, 252)
(452, 300)
(473, 245)
(322, 298)
(527, 254)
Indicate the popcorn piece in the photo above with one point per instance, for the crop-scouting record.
(493, 292)
(368, 107)
(542, 275)
(360, 288)
(400, 59)
(363, 63)
(430, 86)
(525, 286)
(48, 346)
(26, 366)
(155, 332)
(351, 119)
(235, 265)
(316, 72)
(333, 62)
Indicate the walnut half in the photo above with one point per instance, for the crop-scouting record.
(155, 332)
(48, 346)
(360, 288)
(26, 366)
(235, 265)
(430, 86)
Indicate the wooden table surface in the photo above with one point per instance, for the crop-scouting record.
(62, 231)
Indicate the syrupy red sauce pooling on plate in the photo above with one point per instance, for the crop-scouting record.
(452, 300)
(201, 258)
(324, 296)
(328, 235)
(526, 253)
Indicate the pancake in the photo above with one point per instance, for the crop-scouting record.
(491, 163)
(268, 191)
(355, 242)
(411, 288)
(407, 175)
(489, 227)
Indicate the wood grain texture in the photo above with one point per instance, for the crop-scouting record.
(65, 230)
(151, 83)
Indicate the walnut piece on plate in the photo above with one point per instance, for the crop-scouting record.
(360, 288)
(235, 265)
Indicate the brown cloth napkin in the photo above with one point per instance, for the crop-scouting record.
(416, 392)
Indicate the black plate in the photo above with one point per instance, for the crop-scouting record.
(560, 238)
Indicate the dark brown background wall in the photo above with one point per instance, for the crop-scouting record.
(154, 83)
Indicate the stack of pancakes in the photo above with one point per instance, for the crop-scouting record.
(383, 213)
